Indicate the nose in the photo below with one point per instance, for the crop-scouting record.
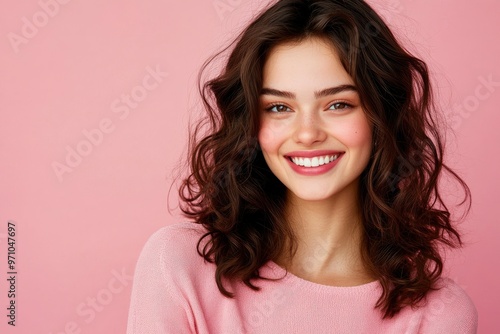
(309, 129)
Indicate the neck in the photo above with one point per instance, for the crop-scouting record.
(329, 235)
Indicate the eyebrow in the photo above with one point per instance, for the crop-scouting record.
(317, 94)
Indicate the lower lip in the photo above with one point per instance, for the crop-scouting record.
(314, 170)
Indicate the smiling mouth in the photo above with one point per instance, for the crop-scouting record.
(314, 161)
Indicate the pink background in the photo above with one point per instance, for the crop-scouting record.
(78, 232)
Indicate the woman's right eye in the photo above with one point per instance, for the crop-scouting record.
(278, 108)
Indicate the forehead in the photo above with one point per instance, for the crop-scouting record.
(312, 61)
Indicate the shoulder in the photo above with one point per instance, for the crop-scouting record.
(449, 309)
(175, 237)
(172, 248)
(163, 278)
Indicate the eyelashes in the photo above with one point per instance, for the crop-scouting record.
(278, 108)
(340, 106)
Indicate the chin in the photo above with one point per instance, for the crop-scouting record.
(312, 195)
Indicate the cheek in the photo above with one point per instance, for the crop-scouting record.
(272, 133)
(355, 132)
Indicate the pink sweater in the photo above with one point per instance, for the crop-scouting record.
(174, 291)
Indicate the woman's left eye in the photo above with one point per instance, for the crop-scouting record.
(339, 105)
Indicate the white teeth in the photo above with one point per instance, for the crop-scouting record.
(315, 161)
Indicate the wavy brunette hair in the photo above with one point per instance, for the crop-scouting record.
(231, 191)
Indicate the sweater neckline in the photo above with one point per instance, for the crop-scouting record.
(280, 272)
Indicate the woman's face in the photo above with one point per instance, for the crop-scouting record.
(310, 113)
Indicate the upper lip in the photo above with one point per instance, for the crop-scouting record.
(310, 154)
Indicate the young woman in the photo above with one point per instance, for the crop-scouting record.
(313, 197)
